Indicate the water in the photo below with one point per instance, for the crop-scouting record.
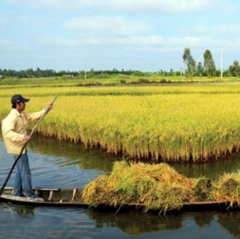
(20, 222)
(59, 164)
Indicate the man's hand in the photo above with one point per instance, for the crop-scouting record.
(26, 138)
(49, 107)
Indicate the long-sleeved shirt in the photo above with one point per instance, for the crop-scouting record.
(14, 129)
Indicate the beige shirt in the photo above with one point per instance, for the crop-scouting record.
(14, 129)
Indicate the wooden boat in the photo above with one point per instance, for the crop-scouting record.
(68, 197)
(71, 197)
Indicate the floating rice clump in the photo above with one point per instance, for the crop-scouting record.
(156, 186)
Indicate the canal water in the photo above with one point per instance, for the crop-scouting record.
(61, 164)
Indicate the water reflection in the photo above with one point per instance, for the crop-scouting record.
(211, 169)
(138, 223)
(73, 154)
(131, 223)
(58, 164)
(231, 222)
(24, 211)
(203, 219)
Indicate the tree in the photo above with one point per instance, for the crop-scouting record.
(200, 69)
(209, 65)
(234, 70)
(190, 63)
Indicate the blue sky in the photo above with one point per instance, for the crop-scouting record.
(146, 35)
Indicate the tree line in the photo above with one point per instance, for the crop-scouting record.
(192, 68)
(37, 73)
(31, 73)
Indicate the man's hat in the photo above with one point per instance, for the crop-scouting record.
(18, 98)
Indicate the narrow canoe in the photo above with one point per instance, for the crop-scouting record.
(68, 197)
(71, 197)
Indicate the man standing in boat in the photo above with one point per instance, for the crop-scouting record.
(15, 136)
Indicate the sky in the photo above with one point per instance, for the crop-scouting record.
(145, 35)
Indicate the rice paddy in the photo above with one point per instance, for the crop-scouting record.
(185, 123)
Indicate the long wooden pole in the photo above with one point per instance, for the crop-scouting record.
(25, 144)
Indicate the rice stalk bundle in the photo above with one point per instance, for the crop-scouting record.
(203, 189)
(228, 188)
(95, 191)
(152, 186)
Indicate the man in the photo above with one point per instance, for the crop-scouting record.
(15, 136)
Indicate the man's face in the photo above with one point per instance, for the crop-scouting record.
(22, 106)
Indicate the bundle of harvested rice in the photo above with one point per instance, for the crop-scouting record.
(156, 186)
(203, 189)
(166, 197)
(228, 188)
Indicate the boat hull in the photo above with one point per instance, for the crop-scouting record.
(71, 197)
(60, 197)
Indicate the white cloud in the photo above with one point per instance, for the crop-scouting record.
(218, 29)
(107, 25)
(151, 40)
(199, 41)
